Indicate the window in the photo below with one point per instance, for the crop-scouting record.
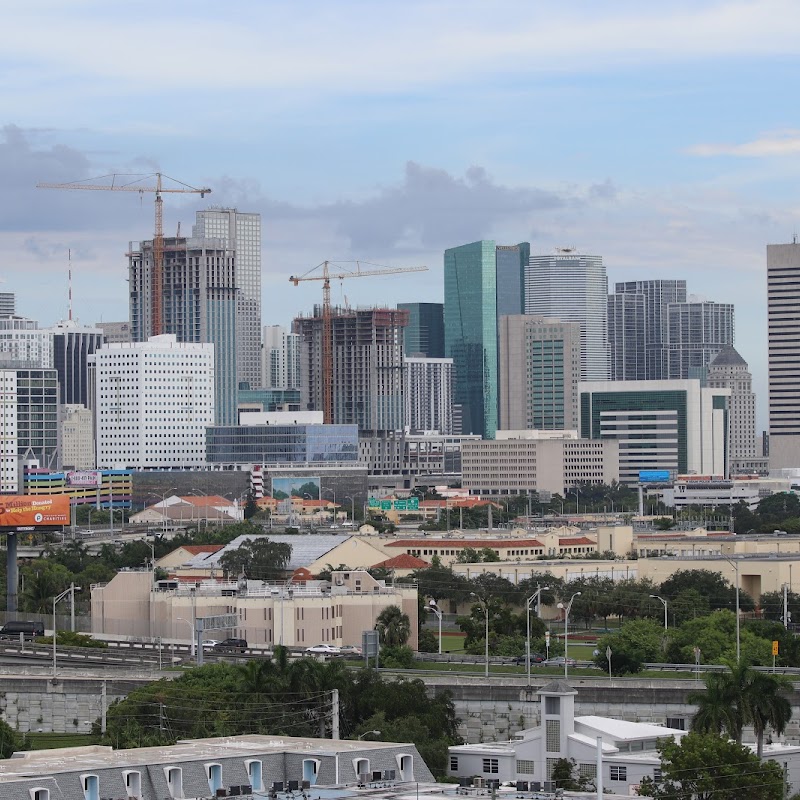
(133, 783)
(676, 722)
(39, 794)
(91, 787)
(406, 764)
(553, 735)
(214, 775)
(174, 776)
(310, 770)
(552, 705)
(453, 763)
(491, 766)
(254, 774)
(588, 771)
(618, 773)
(525, 767)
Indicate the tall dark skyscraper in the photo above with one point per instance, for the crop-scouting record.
(72, 346)
(424, 334)
(627, 323)
(511, 261)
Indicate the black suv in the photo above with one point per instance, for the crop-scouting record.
(231, 645)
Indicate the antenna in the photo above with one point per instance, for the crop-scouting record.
(69, 261)
(794, 238)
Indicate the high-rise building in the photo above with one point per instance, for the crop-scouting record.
(470, 332)
(281, 358)
(38, 417)
(72, 346)
(540, 359)
(241, 232)
(199, 305)
(783, 335)
(429, 394)
(22, 343)
(77, 437)
(367, 369)
(573, 287)
(627, 326)
(658, 294)
(511, 261)
(729, 370)
(424, 334)
(114, 332)
(8, 304)
(677, 426)
(696, 332)
(154, 400)
(9, 445)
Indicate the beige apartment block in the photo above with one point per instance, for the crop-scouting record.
(77, 437)
(295, 615)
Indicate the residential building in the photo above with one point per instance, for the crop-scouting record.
(72, 346)
(154, 401)
(523, 462)
(573, 287)
(260, 400)
(77, 437)
(241, 232)
(8, 304)
(658, 295)
(696, 332)
(424, 334)
(429, 394)
(115, 332)
(367, 369)
(677, 426)
(9, 440)
(23, 344)
(199, 305)
(783, 334)
(540, 362)
(38, 417)
(627, 327)
(280, 367)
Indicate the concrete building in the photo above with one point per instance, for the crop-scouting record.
(199, 305)
(115, 332)
(38, 417)
(72, 346)
(676, 426)
(627, 327)
(77, 437)
(8, 304)
(23, 344)
(526, 461)
(429, 394)
(540, 362)
(154, 400)
(658, 295)
(783, 333)
(241, 232)
(280, 368)
(367, 379)
(9, 440)
(573, 287)
(424, 334)
(260, 400)
(696, 332)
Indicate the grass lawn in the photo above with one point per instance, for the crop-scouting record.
(47, 741)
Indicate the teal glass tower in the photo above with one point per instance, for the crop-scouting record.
(470, 332)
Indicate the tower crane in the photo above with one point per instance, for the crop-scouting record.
(121, 182)
(327, 325)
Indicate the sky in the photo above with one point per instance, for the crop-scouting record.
(663, 136)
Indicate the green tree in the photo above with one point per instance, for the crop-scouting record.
(10, 741)
(720, 593)
(258, 558)
(715, 634)
(43, 581)
(637, 642)
(393, 626)
(704, 766)
(664, 523)
(772, 605)
(565, 775)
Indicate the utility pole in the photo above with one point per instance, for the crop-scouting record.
(335, 714)
(103, 707)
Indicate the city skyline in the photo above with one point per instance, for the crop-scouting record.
(673, 155)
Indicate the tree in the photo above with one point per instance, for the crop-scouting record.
(636, 643)
(664, 523)
(566, 776)
(705, 766)
(772, 605)
(10, 741)
(765, 706)
(393, 626)
(710, 584)
(715, 634)
(258, 558)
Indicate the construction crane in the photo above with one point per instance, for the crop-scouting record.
(327, 326)
(132, 183)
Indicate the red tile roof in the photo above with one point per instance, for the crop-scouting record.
(577, 540)
(403, 561)
(196, 549)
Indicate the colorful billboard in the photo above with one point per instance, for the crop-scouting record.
(85, 478)
(302, 487)
(26, 511)
(654, 476)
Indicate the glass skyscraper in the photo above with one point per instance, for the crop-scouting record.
(424, 334)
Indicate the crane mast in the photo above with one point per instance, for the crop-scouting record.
(327, 317)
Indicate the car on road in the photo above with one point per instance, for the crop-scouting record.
(558, 661)
(209, 644)
(323, 649)
(350, 650)
(231, 646)
(536, 658)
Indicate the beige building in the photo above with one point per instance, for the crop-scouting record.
(77, 437)
(531, 461)
(294, 614)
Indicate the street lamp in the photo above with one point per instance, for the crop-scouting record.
(664, 602)
(567, 609)
(163, 497)
(333, 493)
(528, 603)
(71, 591)
(368, 733)
(434, 609)
(485, 608)
(735, 565)
(191, 627)
(352, 508)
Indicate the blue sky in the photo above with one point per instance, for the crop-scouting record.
(662, 136)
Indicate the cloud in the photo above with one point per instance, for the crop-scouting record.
(784, 143)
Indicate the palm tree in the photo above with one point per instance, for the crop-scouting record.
(717, 707)
(393, 626)
(765, 706)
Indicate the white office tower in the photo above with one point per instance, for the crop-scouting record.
(77, 437)
(783, 337)
(9, 441)
(280, 354)
(241, 232)
(23, 344)
(429, 394)
(154, 400)
(573, 287)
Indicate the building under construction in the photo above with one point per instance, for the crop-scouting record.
(198, 304)
(366, 369)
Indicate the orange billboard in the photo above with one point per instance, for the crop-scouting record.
(17, 511)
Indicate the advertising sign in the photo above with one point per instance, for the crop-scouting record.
(654, 476)
(34, 510)
(85, 478)
(283, 488)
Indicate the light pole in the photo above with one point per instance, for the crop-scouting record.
(191, 627)
(163, 507)
(664, 602)
(434, 609)
(352, 508)
(485, 608)
(528, 603)
(567, 608)
(71, 591)
(735, 565)
(368, 733)
(332, 492)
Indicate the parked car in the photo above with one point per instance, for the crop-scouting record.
(558, 661)
(350, 650)
(208, 644)
(323, 649)
(231, 646)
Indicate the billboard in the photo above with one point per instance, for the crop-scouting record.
(654, 476)
(25, 511)
(284, 488)
(85, 478)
